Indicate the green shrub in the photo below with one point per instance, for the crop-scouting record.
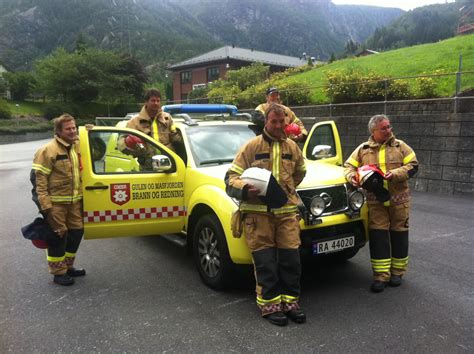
(354, 86)
(399, 90)
(342, 86)
(199, 95)
(294, 93)
(54, 109)
(5, 112)
(121, 109)
(425, 87)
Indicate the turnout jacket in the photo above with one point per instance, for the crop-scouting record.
(162, 127)
(282, 157)
(290, 116)
(395, 156)
(55, 174)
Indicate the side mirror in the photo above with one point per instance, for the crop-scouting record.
(321, 151)
(161, 163)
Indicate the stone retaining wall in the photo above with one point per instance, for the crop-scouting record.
(21, 138)
(443, 140)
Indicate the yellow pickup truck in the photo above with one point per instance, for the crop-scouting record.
(182, 197)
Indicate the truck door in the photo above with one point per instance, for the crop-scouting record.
(129, 194)
(323, 144)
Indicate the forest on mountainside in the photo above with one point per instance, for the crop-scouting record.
(162, 32)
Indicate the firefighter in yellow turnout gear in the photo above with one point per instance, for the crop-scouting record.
(272, 95)
(272, 231)
(388, 221)
(153, 121)
(57, 191)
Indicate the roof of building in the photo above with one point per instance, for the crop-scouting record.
(231, 52)
(367, 51)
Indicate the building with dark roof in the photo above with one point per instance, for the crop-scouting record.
(366, 52)
(198, 71)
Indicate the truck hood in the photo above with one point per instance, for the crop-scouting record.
(215, 172)
(322, 174)
(317, 174)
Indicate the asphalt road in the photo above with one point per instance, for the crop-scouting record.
(144, 295)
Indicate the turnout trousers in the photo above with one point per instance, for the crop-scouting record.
(62, 250)
(388, 240)
(274, 241)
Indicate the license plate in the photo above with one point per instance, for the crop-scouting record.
(333, 245)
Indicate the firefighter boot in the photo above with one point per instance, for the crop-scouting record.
(378, 286)
(76, 272)
(277, 318)
(63, 279)
(395, 280)
(297, 316)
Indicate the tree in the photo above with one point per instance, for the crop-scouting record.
(247, 76)
(351, 47)
(21, 84)
(90, 75)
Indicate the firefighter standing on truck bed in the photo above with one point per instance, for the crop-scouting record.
(153, 121)
(388, 221)
(57, 191)
(272, 95)
(272, 234)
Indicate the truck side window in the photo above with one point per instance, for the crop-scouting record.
(322, 144)
(113, 152)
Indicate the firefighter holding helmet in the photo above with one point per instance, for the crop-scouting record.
(57, 191)
(382, 166)
(270, 218)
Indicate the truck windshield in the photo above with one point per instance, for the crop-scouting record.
(217, 144)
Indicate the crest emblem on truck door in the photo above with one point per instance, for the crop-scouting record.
(120, 193)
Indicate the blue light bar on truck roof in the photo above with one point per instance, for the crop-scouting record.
(200, 108)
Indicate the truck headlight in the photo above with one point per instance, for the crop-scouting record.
(356, 200)
(317, 206)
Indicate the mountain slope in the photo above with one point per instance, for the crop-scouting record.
(290, 27)
(426, 24)
(167, 31)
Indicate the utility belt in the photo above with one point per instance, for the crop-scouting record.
(237, 221)
(261, 208)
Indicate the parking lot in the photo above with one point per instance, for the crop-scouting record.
(144, 294)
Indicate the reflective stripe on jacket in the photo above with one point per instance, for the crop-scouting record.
(394, 156)
(55, 174)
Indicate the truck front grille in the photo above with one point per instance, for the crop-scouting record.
(337, 194)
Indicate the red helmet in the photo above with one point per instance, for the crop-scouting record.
(371, 179)
(133, 142)
(292, 129)
(40, 244)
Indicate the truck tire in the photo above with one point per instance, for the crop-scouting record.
(211, 254)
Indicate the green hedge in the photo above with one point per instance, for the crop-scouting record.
(5, 111)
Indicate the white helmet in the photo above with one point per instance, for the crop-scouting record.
(258, 177)
(271, 192)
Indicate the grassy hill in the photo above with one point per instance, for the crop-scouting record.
(441, 57)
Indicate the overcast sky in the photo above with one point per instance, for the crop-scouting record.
(401, 4)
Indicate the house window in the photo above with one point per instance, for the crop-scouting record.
(212, 73)
(185, 77)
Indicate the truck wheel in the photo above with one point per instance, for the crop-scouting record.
(343, 255)
(211, 254)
